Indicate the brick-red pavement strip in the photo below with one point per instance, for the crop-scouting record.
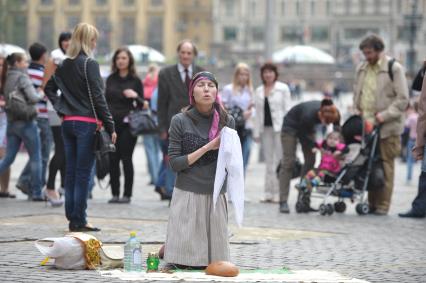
(378, 249)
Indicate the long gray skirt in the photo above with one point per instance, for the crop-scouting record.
(196, 234)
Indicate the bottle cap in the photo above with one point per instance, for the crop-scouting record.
(133, 234)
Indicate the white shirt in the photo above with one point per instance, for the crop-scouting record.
(230, 163)
(279, 103)
(58, 56)
(182, 73)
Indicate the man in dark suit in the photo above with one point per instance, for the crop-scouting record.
(173, 84)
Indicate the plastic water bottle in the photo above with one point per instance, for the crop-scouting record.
(132, 254)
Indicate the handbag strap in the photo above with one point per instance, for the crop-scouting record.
(89, 90)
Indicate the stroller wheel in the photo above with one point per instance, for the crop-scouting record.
(339, 206)
(323, 209)
(362, 208)
(330, 209)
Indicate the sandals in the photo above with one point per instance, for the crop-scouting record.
(7, 195)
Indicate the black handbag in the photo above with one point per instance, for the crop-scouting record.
(18, 108)
(141, 122)
(238, 114)
(102, 145)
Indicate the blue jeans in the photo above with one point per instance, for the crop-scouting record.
(246, 148)
(24, 132)
(152, 151)
(410, 158)
(79, 157)
(46, 140)
(92, 178)
(166, 176)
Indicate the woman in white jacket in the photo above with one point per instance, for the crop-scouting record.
(272, 101)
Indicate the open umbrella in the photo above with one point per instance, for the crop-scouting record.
(302, 54)
(6, 49)
(145, 54)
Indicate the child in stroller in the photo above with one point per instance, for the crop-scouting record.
(332, 151)
(361, 171)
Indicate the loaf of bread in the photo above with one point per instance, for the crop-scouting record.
(222, 268)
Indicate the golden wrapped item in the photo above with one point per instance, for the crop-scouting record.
(92, 249)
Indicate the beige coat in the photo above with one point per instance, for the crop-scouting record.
(391, 96)
(279, 103)
(421, 124)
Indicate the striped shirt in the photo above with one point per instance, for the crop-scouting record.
(36, 73)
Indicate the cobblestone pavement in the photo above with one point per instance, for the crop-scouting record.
(373, 248)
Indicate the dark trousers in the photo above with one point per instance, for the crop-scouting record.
(57, 163)
(79, 156)
(289, 146)
(125, 146)
(419, 203)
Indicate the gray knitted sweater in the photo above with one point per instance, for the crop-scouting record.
(188, 132)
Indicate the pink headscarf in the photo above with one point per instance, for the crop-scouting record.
(214, 128)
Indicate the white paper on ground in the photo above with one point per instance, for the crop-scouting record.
(294, 276)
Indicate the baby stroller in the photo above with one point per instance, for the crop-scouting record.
(364, 172)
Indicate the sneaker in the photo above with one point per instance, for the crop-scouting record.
(124, 200)
(284, 207)
(114, 199)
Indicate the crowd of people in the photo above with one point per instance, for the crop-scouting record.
(62, 101)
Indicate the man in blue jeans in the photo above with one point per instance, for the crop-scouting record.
(38, 55)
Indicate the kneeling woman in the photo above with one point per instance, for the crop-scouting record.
(197, 234)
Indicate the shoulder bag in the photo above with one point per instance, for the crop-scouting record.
(17, 107)
(102, 142)
(141, 122)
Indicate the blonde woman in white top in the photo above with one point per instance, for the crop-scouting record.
(272, 101)
(239, 94)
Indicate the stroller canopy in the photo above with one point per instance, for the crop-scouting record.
(352, 128)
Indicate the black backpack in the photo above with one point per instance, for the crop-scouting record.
(390, 66)
(418, 80)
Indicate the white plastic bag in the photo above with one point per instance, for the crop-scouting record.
(68, 252)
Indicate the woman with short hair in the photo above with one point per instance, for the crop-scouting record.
(272, 100)
(79, 121)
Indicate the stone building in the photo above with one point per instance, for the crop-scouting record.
(160, 24)
(335, 26)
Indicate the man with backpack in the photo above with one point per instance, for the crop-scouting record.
(381, 96)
